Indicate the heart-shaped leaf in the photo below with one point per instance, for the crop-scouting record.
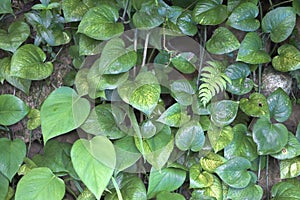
(168, 195)
(280, 23)
(290, 168)
(100, 155)
(89, 46)
(242, 144)
(5, 7)
(251, 50)
(288, 58)
(17, 33)
(234, 172)
(174, 116)
(223, 112)
(183, 23)
(243, 17)
(148, 129)
(210, 12)
(183, 92)
(284, 190)
(291, 149)
(190, 136)
(12, 154)
(74, 10)
(255, 106)
(280, 105)
(12, 109)
(199, 179)
(219, 137)
(64, 107)
(212, 161)
(185, 62)
(101, 23)
(28, 63)
(213, 192)
(270, 138)
(222, 41)
(167, 179)
(48, 185)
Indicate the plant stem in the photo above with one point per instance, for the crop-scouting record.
(135, 48)
(145, 49)
(259, 77)
(202, 54)
(259, 168)
(278, 4)
(117, 188)
(271, 3)
(267, 177)
(125, 10)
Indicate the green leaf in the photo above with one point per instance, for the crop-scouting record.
(74, 10)
(148, 129)
(5, 7)
(12, 109)
(174, 116)
(34, 119)
(223, 112)
(219, 137)
(101, 23)
(209, 12)
(4, 185)
(40, 183)
(255, 106)
(167, 179)
(167, 195)
(28, 62)
(285, 191)
(288, 58)
(211, 162)
(199, 179)
(185, 62)
(183, 24)
(280, 105)
(12, 154)
(243, 17)
(89, 46)
(290, 168)
(182, 91)
(222, 41)
(291, 149)
(251, 50)
(100, 155)
(64, 107)
(280, 23)
(232, 4)
(270, 138)
(190, 136)
(213, 192)
(296, 6)
(234, 172)
(242, 144)
(17, 33)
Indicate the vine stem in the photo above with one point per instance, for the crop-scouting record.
(125, 10)
(202, 54)
(145, 49)
(259, 77)
(117, 188)
(259, 168)
(278, 4)
(267, 177)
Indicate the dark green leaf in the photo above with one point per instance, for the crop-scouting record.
(174, 116)
(255, 106)
(5, 7)
(186, 25)
(296, 6)
(232, 4)
(285, 191)
(185, 62)
(199, 178)
(219, 137)
(288, 58)
(223, 112)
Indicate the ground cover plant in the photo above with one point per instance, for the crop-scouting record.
(149, 99)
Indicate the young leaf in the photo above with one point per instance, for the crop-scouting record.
(199, 178)
(5, 7)
(234, 172)
(48, 185)
(291, 149)
(167, 179)
(288, 58)
(222, 41)
(100, 155)
(223, 112)
(270, 138)
(74, 10)
(210, 12)
(28, 62)
(12, 109)
(174, 116)
(219, 137)
(251, 50)
(255, 106)
(12, 154)
(101, 23)
(64, 107)
(290, 168)
(211, 162)
(283, 190)
(280, 23)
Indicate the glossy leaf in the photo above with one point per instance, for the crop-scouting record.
(185, 62)
(167, 179)
(219, 137)
(89, 46)
(243, 17)
(211, 162)
(223, 112)
(290, 168)
(232, 4)
(280, 105)
(34, 119)
(100, 155)
(222, 41)
(251, 50)
(285, 191)
(291, 149)
(234, 172)
(148, 129)
(17, 33)
(101, 23)
(199, 178)
(210, 12)
(48, 185)
(5, 7)
(64, 107)
(270, 138)
(28, 62)
(182, 91)
(280, 23)
(167, 195)
(12, 109)
(288, 58)
(186, 25)
(213, 192)
(174, 116)
(74, 10)
(12, 154)
(255, 106)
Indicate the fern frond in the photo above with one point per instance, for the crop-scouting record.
(213, 80)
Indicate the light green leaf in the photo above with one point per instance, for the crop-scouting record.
(270, 138)
(167, 179)
(12, 153)
(290, 168)
(34, 119)
(182, 91)
(48, 185)
(74, 10)
(288, 58)
(251, 50)
(28, 62)
(4, 186)
(291, 149)
(210, 12)
(280, 23)
(199, 178)
(64, 107)
(185, 62)
(167, 195)
(100, 155)
(234, 172)
(148, 129)
(219, 137)
(212, 161)
(255, 106)
(12, 109)
(243, 17)
(17, 33)
(5, 7)
(174, 116)
(222, 41)
(101, 23)
(223, 112)
(213, 192)
(285, 191)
